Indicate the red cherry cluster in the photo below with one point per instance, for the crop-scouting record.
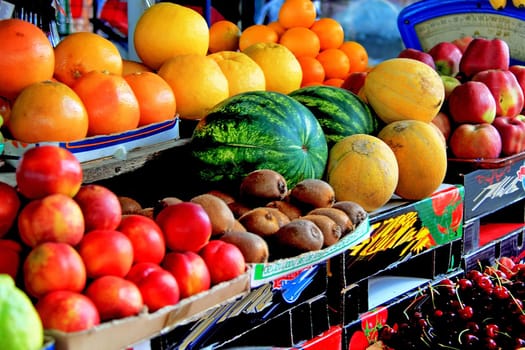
(483, 309)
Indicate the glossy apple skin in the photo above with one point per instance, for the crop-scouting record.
(186, 226)
(450, 83)
(67, 311)
(446, 57)
(106, 252)
(472, 102)
(463, 42)
(475, 141)
(47, 169)
(100, 207)
(482, 54)
(417, 55)
(506, 91)
(519, 73)
(442, 121)
(159, 288)
(512, 131)
(114, 297)
(354, 82)
(146, 237)
(9, 207)
(224, 260)
(190, 271)
(53, 266)
(54, 218)
(10, 257)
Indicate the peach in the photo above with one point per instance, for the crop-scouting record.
(9, 206)
(158, 288)
(54, 218)
(100, 206)
(10, 257)
(190, 271)
(53, 266)
(146, 237)
(224, 260)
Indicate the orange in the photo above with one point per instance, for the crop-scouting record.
(130, 66)
(156, 98)
(313, 70)
(242, 72)
(275, 25)
(301, 41)
(167, 29)
(335, 62)
(330, 32)
(297, 13)
(224, 36)
(281, 68)
(257, 33)
(26, 56)
(48, 111)
(197, 82)
(357, 55)
(82, 52)
(110, 102)
(337, 82)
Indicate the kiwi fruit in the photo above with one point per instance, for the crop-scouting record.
(354, 210)
(253, 247)
(221, 216)
(262, 186)
(163, 203)
(147, 212)
(239, 209)
(312, 193)
(331, 230)
(226, 197)
(238, 227)
(291, 210)
(129, 205)
(263, 221)
(338, 216)
(298, 236)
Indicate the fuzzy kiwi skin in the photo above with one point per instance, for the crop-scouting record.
(221, 216)
(129, 205)
(297, 237)
(163, 203)
(262, 186)
(331, 230)
(312, 193)
(339, 216)
(292, 211)
(355, 211)
(252, 246)
(263, 221)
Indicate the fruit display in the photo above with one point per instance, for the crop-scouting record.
(481, 309)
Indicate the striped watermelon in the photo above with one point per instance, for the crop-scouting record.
(339, 111)
(258, 130)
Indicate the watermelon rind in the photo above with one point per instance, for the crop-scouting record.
(258, 130)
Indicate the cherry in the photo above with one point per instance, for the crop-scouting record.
(474, 274)
(490, 343)
(465, 284)
(485, 283)
(491, 330)
(501, 292)
(473, 327)
(466, 313)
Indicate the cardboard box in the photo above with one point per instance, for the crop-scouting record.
(490, 185)
(103, 146)
(266, 272)
(399, 231)
(123, 333)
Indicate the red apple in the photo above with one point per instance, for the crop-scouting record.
(67, 311)
(442, 121)
(505, 89)
(106, 252)
(115, 297)
(100, 206)
(482, 54)
(417, 55)
(450, 84)
(186, 226)
(475, 141)
(159, 288)
(146, 237)
(47, 169)
(54, 218)
(446, 57)
(224, 260)
(519, 72)
(462, 42)
(9, 206)
(472, 102)
(53, 266)
(354, 82)
(190, 271)
(512, 131)
(10, 257)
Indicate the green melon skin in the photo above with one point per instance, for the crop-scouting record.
(20, 325)
(340, 112)
(258, 130)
